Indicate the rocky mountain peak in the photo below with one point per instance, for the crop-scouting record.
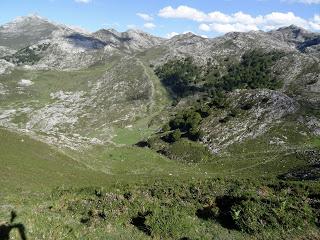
(186, 38)
(293, 34)
(132, 39)
(293, 28)
(298, 38)
(25, 31)
(109, 31)
(138, 34)
(26, 22)
(28, 18)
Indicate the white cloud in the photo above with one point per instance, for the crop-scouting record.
(283, 19)
(182, 12)
(204, 27)
(316, 22)
(315, 26)
(145, 16)
(227, 27)
(82, 1)
(172, 34)
(316, 18)
(239, 21)
(149, 25)
(218, 17)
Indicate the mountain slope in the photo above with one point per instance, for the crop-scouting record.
(181, 138)
(29, 164)
(25, 31)
(108, 81)
(76, 108)
(131, 40)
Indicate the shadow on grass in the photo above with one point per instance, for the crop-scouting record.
(221, 212)
(6, 228)
(139, 222)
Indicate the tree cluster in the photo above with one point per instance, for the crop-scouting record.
(187, 124)
(254, 71)
(183, 76)
(180, 76)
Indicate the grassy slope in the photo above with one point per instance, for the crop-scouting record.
(129, 168)
(28, 164)
(112, 104)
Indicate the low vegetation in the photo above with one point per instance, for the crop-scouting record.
(170, 208)
(27, 55)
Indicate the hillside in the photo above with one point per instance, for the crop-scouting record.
(28, 164)
(106, 56)
(123, 134)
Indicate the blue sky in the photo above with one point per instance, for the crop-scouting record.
(166, 18)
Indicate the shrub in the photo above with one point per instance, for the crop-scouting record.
(182, 76)
(254, 216)
(175, 135)
(166, 127)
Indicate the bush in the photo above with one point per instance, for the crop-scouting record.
(195, 134)
(186, 120)
(279, 207)
(166, 127)
(254, 216)
(176, 135)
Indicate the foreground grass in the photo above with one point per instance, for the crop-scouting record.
(173, 208)
(124, 192)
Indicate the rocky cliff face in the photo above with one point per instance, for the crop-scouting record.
(254, 113)
(301, 39)
(84, 84)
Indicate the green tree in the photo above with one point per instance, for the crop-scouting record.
(176, 135)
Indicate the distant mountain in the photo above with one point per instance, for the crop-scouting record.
(25, 31)
(302, 39)
(129, 40)
(82, 86)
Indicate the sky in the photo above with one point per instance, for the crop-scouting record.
(166, 18)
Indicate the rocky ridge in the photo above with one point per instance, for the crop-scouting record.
(125, 87)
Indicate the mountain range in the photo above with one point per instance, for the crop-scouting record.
(74, 88)
(123, 134)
